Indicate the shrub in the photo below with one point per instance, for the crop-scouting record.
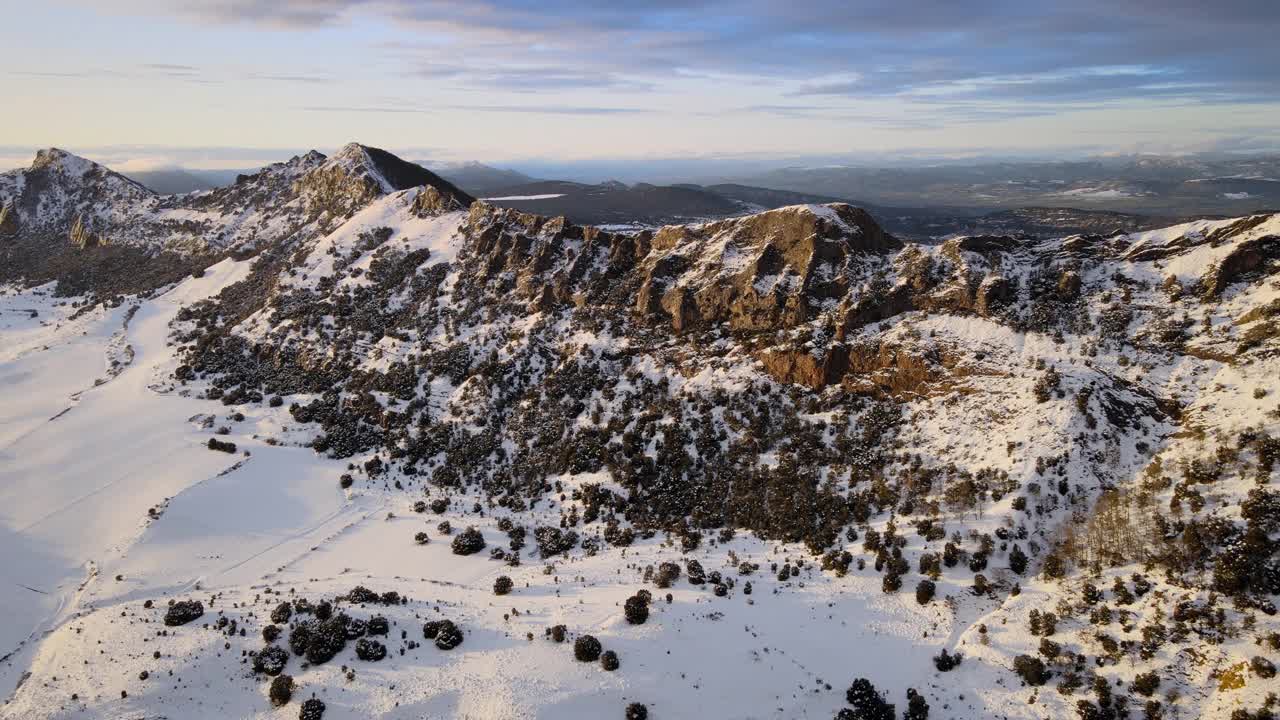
(421, 538)
(370, 650)
(586, 648)
(312, 709)
(226, 447)
(1031, 670)
(637, 711)
(557, 633)
(502, 585)
(468, 542)
(270, 633)
(377, 625)
(609, 660)
(346, 481)
(325, 640)
(1146, 683)
(270, 660)
(183, 612)
(892, 582)
(636, 609)
(668, 573)
(917, 707)
(281, 690)
(867, 703)
(1263, 667)
(282, 613)
(1017, 560)
(1049, 648)
(447, 636)
(924, 591)
(946, 661)
(439, 505)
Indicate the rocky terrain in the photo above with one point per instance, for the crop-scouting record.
(424, 456)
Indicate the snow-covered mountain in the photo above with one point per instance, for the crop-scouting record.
(781, 465)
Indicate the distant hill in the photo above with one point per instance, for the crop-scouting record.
(477, 178)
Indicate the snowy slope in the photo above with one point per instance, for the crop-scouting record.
(754, 396)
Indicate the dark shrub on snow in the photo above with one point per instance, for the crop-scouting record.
(183, 612)
(326, 639)
(468, 542)
(1030, 669)
(270, 633)
(557, 632)
(668, 573)
(867, 703)
(377, 625)
(502, 585)
(637, 711)
(636, 609)
(946, 661)
(586, 648)
(1146, 683)
(282, 613)
(447, 636)
(226, 447)
(609, 660)
(312, 709)
(270, 660)
(281, 690)
(924, 591)
(917, 707)
(421, 538)
(1263, 667)
(370, 650)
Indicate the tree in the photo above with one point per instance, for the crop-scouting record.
(924, 591)
(867, 703)
(502, 585)
(1017, 560)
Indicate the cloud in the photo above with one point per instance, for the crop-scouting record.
(528, 109)
(821, 47)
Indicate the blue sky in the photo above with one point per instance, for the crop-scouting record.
(232, 83)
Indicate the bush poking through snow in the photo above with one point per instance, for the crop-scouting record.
(609, 660)
(946, 661)
(183, 612)
(925, 590)
(557, 633)
(281, 614)
(586, 648)
(421, 538)
(312, 709)
(502, 585)
(446, 635)
(1031, 670)
(468, 542)
(270, 660)
(1146, 683)
(867, 703)
(637, 711)
(370, 650)
(220, 446)
(636, 609)
(281, 690)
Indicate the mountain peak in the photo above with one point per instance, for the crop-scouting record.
(57, 158)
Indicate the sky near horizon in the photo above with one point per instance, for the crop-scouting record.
(234, 83)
